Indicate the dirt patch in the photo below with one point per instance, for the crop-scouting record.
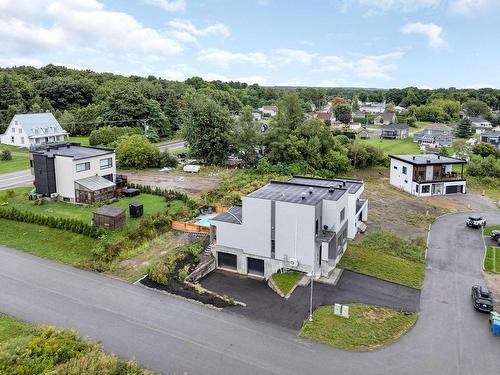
(462, 202)
(186, 291)
(493, 284)
(176, 180)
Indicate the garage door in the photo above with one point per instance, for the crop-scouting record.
(255, 266)
(226, 260)
(453, 189)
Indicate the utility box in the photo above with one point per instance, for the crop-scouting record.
(109, 217)
(136, 209)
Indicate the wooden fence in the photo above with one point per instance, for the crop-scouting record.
(189, 227)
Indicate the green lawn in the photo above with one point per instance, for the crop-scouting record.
(488, 230)
(28, 349)
(367, 328)
(20, 159)
(84, 141)
(394, 146)
(287, 280)
(56, 244)
(492, 259)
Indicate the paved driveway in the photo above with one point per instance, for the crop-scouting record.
(265, 305)
(173, 336)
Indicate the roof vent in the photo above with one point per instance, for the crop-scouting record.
(304, 195)
(344, 182)
(439, 156)
(413, 157)
(331, 189)
(428, 161)
(311, 190)
(68, 145)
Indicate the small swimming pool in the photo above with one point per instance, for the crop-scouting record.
(205, 220)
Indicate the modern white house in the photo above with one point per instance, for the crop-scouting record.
(480, 124)
(32, 129)
(74, 173)
(268, 111)
(427, 174)
(372, 107)
(302, 224)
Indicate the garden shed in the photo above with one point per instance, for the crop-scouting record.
(108, 217)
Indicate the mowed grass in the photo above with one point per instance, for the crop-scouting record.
(84, 141)
(60, 245)
(367, 328)
(488, 230)
(286, 281)
(389, 257)
(18, 163)
(492, 259)
(11, 328)
(394, 146)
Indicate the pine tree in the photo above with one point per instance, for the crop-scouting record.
(464, 129)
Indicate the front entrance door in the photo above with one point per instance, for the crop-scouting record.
(437, 189)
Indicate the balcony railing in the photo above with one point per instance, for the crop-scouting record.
(453, 176)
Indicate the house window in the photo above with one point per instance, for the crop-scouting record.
(426, 189)
(11, 139)
(395, 167)
(405, 170)
(83, 167)
(416, 188)
(106, 163)
(20, 130)
(13, 130)
(273, 248)
(22, 139)
(342, 215)
(316, 227)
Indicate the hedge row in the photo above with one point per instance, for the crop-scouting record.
(169, 194)
(72, 225)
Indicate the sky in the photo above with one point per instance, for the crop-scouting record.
(329, 43)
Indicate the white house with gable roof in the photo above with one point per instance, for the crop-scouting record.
(27, 130)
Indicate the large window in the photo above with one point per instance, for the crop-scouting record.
(106, 163)
(342, 215)
(426, 189)
(405, 170)
(83, 167)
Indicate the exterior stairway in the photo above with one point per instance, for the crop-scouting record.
(362, 226)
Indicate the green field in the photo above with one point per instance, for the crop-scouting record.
(367, 328)
(394, 146)
(492, 259)
(488, 230)
(20, 159)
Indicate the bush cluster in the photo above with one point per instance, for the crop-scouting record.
(6, 155)
(72, 225)
(484, 167)
(177, 265)
(109, 134)
(60, 352)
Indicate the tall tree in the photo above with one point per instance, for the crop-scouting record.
(208, 130)
(476, 108)
(246, 138)
(343, 113)
(464, 129)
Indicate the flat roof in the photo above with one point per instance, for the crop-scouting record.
(234, 215)
(428, 159)
(73, 150)
(352, 185)
(294, 193)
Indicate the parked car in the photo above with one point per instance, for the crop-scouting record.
(495, 235)
(481, 298)
(475, 222)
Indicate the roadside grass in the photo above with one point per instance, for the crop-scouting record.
(488, 230)
(488, 185)
(55, 244)
(394, 146)
(30, 349)
(19, 162)
(492, 259)
(389, 257)
(285, 281)
(367, 328)
(84, 141)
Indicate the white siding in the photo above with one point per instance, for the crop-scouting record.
(398, 178)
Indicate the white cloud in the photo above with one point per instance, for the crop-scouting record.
(169, 5)
(367, 67)
(469, 6)
(178, 72)
(430, 30)
(224, 58)
(249, 80)
(20, 61)
(187, 26)
(80, 24)
(377, 6)
(290, 56)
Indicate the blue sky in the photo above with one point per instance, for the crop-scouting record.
(365, 43)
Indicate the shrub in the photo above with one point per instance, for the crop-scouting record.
(6, 155)
(72, 225)
(484, 167)
(158, 272)
(109, 134)
(136, 151)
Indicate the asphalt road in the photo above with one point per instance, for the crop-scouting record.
(172, 335)
(14, 179)
(171, 146)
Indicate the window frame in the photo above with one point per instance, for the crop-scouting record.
(342, 215)
(404, 169)
(86, 164)
(108, 165)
